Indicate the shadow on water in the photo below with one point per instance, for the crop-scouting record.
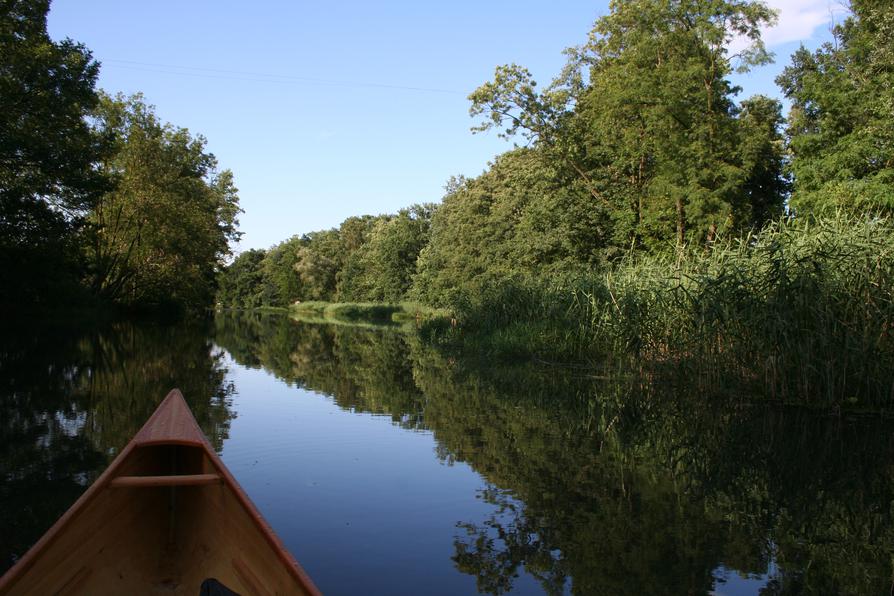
(73, 396)
(624, 486)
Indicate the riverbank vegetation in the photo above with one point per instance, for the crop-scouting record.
(649, 213)
(382, 313)
(100, 202)
(800, 311)
(651, 217)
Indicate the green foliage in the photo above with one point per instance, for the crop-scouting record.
(800, 312)
(366, 258)
(241, 284)
(317, 264)
(48, 181)
(160, 236)
(281, 285)
(513, 218)
(762, 156)
(841, 137)
(389, 256)
(643, 119)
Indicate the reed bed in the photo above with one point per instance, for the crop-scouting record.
(801, 311)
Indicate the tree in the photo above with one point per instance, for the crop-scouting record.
(354, 280)
(241, 284)
(517, 217)
(48, 181)
(282, 285)
(840, 134)
(160, 237)
(762, 156)
(389, 256)
(643, 115)
(319, 259)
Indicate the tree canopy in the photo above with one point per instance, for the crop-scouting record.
(161, 235)
(643, 116)
(48, 153)
(840, 125)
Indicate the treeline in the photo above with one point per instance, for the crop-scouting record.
(639, 147)
(100, 201)
(369, 258)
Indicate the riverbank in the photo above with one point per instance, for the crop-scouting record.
(801, 312)
(403, 313)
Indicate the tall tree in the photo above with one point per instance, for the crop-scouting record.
(241, 283)
(388, 259)
(841, 136)
(644, 114)
(48, 152)
(319, 259)
(282, 285)
(161, 236)
(354, 280)
(517, 217)
(762, 156)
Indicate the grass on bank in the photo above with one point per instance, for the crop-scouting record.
(403, 313)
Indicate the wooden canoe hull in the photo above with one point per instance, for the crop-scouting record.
(165, 516)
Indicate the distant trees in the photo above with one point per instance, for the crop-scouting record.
(368, 258)
(386, 262)
(281, 285)
(242, 284)
(517, 217)
(48, 154)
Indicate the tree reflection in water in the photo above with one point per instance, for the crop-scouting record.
(625, 486)
(73, 396)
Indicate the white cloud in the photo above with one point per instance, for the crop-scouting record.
(798, 21)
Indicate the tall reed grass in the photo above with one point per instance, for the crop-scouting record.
(800, 311)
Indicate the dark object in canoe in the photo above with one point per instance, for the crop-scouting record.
(164, 517)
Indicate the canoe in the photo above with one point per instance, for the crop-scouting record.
(165, 517)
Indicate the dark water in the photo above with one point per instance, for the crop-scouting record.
(388, 467)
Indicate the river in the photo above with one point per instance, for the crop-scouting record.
(388, 466)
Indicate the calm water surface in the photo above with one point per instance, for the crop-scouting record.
(389, 467)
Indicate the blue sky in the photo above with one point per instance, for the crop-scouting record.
(329, 109)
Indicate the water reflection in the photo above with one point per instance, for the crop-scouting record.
(71, 397)
(593, 486)
(615, 487)
(363, 369)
